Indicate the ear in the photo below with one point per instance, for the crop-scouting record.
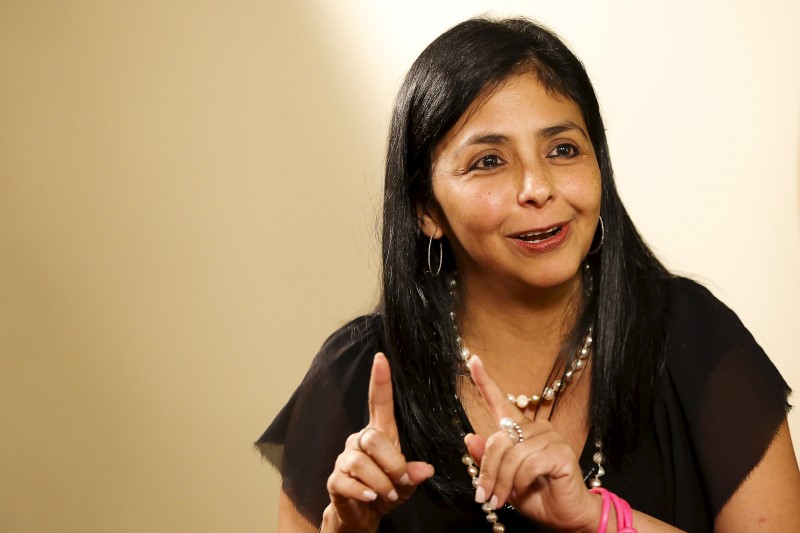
(428, 220)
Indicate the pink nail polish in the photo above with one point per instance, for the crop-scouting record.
(370, 495)
(493, 502)
(405, 480)
(480, 495)
(392, 496)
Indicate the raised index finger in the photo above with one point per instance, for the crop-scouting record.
(494, 397)
(381, 400)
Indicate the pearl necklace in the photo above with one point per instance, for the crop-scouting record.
(522, 401)
(549, 393)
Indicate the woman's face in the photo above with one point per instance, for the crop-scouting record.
(517, 188)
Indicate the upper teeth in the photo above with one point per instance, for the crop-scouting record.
(535, 233)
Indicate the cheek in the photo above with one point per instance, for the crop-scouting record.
(584, 192)
(478, 210)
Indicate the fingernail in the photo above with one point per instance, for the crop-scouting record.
(393, 495)
(472, 360)
(480, 495)
(370, 495)
(493, 502)
(405, 480)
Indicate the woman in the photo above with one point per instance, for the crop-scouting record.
(504, 235)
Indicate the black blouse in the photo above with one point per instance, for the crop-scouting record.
(720, 402)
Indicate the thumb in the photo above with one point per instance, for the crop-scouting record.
(419, 471)
(476, 445)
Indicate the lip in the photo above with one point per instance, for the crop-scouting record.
(545, 245)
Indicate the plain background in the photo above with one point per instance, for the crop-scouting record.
(188, 203)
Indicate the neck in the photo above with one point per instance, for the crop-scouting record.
(517, 326)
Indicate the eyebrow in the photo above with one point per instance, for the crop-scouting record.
(544, 133)
(561, 127)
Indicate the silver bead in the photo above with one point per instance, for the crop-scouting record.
(584, 353)
(491, 517)
(548, 394)
(452, 283)
(522, 401)
(472, 470)
(557, 385)
(464, 353)
(487, 507)
(535, 399)
(511, 398)
(588, 341)
(568, 375)
(475, 482)
(498, 528)
(466, 459)
(452, 315)
(459, 340)
(598, 457)
(577, 365)
(596, 483)
(507, 424)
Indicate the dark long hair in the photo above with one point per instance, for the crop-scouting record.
(625, 297)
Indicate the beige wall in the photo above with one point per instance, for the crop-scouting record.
(188, 193)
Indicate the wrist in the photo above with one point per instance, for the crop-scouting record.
(331, 523)
(594, 517)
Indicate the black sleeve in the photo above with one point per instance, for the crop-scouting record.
(330, 404)
(732, 396)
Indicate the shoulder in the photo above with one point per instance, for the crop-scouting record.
(709, 347)
(342, 365)
(366, 329)
(352, 344)
(691, 299)
(699, 326)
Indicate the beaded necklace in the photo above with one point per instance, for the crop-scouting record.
(522, 402)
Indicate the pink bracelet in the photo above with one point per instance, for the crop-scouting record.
(621, 508)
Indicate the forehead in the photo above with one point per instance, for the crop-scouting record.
(519, 104)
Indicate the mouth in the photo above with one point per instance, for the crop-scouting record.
(539, 236)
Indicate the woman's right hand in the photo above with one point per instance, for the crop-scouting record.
(371, 476)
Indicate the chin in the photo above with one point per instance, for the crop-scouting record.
(553, 280)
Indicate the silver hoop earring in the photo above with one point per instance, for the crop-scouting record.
(602, 238)
(441, 257)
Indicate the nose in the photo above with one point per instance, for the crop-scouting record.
(536, 186)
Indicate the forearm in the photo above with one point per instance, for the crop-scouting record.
(331, 523)
(644, 523)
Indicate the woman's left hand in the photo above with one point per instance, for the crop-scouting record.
(540, 475)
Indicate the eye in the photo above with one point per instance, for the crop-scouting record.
(487, 162)
(565, 151)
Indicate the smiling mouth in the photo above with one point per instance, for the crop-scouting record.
(538, 236)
